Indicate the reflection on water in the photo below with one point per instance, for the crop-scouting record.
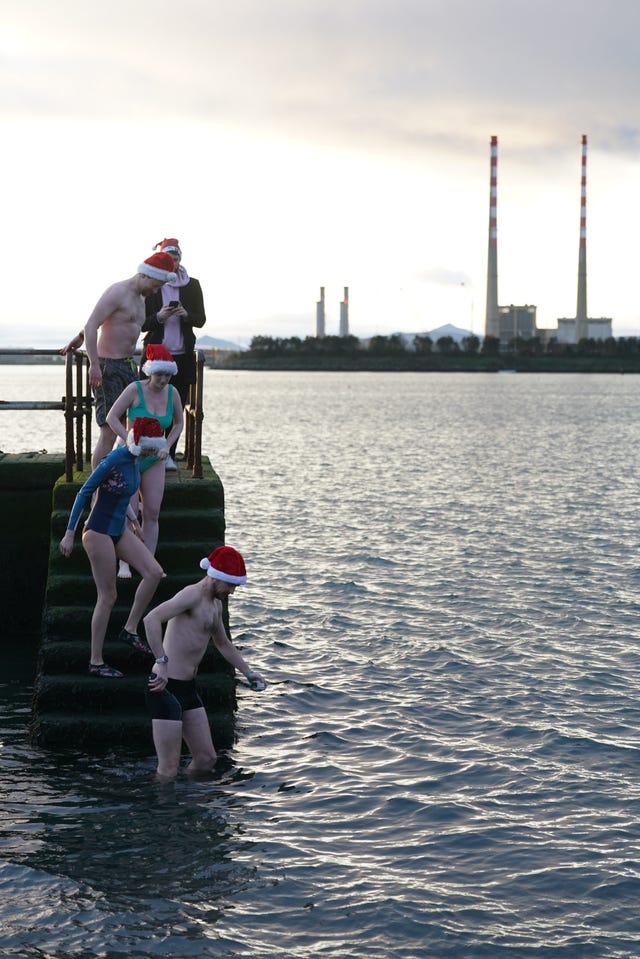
(443, 590)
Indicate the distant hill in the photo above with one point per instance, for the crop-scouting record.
(212, 343)
(448, 329)
(455, 332)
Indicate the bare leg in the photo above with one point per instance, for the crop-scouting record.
(152, 490)
(132, 551)
(123, 568)
(167, 739)
(102, 555)
(106, 438)
(197, 735)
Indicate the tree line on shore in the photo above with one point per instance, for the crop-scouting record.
(395, 351)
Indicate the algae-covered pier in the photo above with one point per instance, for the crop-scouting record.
(52, 598)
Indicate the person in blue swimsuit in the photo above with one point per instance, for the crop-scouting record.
(153, 397)
(111, 531)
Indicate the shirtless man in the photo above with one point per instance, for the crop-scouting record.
(193, 617)
(110, 336)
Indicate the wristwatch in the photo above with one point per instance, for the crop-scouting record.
(162, 659)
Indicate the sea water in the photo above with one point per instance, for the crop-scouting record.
(444, 596)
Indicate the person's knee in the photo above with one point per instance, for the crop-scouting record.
(156, 572)
(107, 596)
(150, 513)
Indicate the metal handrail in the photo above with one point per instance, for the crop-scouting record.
(77, 405)
(194, 415)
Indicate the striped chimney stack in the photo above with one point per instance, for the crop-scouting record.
(492, 322)
(582, 323)
(320, 314)
(344, 313)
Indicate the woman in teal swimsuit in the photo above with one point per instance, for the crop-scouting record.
(156, 398)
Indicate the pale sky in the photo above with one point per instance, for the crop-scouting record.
(294, 144)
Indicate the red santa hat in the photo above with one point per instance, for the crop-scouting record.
(227, 564)
(169, 245)
(146, 433)
(159, 360)
(158, 266)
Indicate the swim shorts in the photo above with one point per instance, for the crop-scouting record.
(116, 376)
(177, 697)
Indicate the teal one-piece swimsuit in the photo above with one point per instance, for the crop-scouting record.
(165, 421)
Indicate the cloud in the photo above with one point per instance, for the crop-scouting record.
(390, 74)
(441, 276)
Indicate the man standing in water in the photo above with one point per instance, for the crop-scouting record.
(110, 336)
(193, 617)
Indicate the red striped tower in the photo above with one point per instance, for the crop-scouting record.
(582, 323)
(320, 314)
(492, 322)
(344, 313)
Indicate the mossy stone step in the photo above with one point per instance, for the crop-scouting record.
(75, 693)
(128, 733)
(69, 590)
(174, 558)
(72, 708)
(72, 656)
(177, 526)
(181, 489)
(64, 624)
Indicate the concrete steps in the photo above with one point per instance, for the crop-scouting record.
(71, 708)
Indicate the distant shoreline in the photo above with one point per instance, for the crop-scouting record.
(433, 363)
(404, 363)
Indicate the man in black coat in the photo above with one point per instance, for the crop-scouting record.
(171, 315)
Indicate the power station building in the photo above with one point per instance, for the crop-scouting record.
(344, 314)
(507, 323)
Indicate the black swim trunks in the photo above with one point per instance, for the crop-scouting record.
(177, 697)
(116, 376)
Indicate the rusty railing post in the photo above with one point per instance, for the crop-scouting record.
(87, 412)
(68, 418)
(198, 416)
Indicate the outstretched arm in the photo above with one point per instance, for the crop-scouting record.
(232, 655)
(85, 492)
(73, 344)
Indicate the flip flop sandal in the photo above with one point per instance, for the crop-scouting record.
(104, 671)
(133, 640)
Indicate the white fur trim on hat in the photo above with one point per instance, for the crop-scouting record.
(155, 273)
(146, 442)
(160, 366)
(218, 574)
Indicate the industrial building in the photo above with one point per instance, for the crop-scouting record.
(344, 314)
(507, 323)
